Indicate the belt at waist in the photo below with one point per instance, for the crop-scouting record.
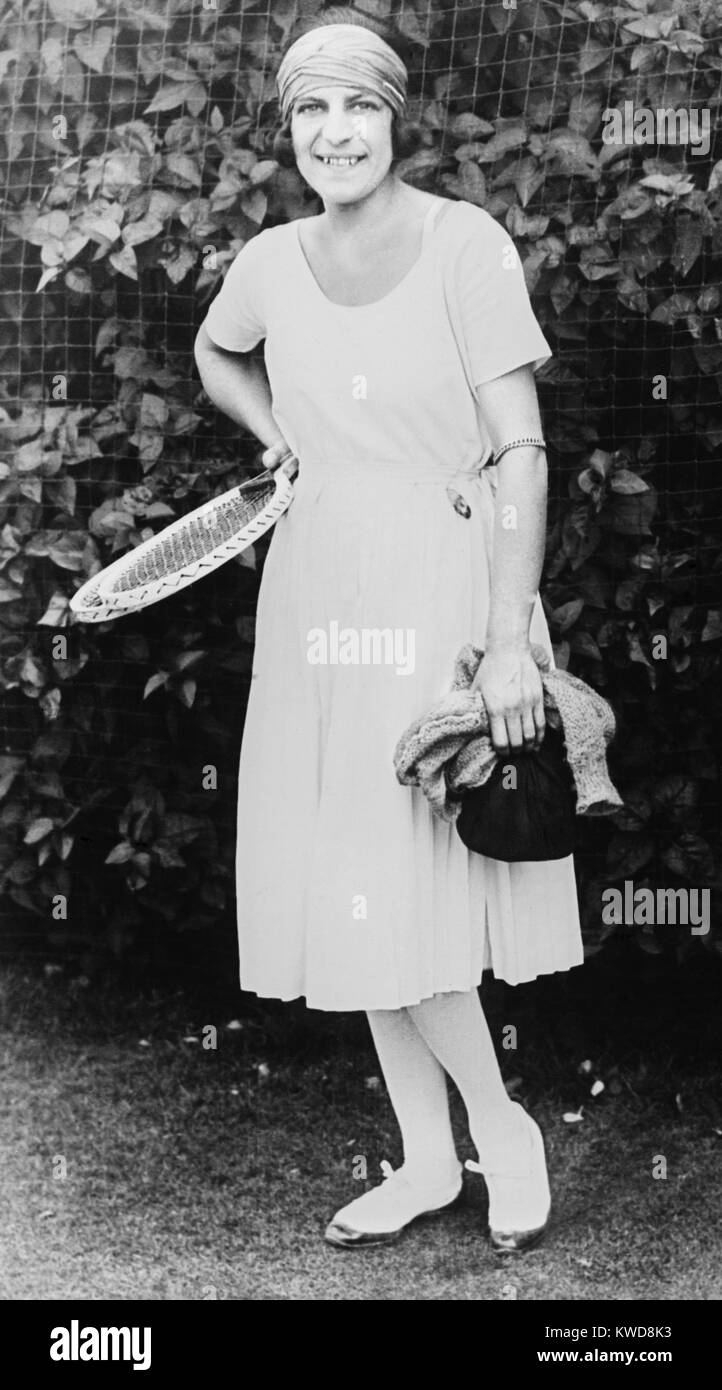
(377, 470)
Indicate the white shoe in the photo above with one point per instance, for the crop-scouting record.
(381, 1214)
(519, 1196)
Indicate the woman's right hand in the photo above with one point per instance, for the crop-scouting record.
(272, 456)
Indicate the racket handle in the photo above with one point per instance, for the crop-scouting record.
(272, 458)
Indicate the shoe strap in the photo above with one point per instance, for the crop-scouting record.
(405, 1178)
(508, 1172)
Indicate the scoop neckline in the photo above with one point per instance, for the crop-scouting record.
(429, 227)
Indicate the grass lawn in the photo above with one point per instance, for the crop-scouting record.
(192, 1172)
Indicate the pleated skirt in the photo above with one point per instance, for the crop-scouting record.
(351, 892)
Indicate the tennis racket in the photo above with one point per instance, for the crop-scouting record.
(189, 548)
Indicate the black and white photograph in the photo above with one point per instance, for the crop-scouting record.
(361, 663)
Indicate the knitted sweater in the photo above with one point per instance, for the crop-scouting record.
(448, 750)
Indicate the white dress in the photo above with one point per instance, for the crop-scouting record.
(350, 891)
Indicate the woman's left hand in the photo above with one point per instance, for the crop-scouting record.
(511, 688)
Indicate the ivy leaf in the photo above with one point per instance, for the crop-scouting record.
(57, 613)
(188, 692)
(68, 552)
(472, 184)
(601, 462)
(628, 594)
(565, 616)
(688, 244)
(63, 492)
(32, 488)
(169, 858)
(690, 857)
(627, 853)
(630, 514)
(263, 171)
(676, 185)
(78, 282)
(85, 125)
(125, 262)
(100, 229)
(708, 356)
(143, 230)
(712, 630)
(158, 509)
(593, 54)
(632, 295)
(153, 412)
(255, 204)
(93, 49)
(676, 794)
(74, 11)
(584, 643)
(169, 97)
(51, 226)
(519, 224)
(584, 114)
(29, 456)
(598, 262)
(563, 291)
(149, 435)
(532, 266)
(650, 27)
(179, 263)
(467, 126)
(185, 168)
(38, 829)
(186, 659)
(155, 682)
(572, 154)
(636, 651)
(626, 482)
(121, 853)
(505, 140)
(636, 811)
(679, 633)
(423, 162)
(631, 203)
(687, 42)
(715, 178)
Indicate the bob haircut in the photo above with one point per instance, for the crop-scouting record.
(406, 135)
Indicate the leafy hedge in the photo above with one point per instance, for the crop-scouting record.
(136, 164)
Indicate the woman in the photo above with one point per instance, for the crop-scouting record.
(350, 892)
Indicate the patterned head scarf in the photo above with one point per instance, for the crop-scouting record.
(341, 55)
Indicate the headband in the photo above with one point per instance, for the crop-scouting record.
(341, 55)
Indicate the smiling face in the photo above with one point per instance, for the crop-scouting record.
(342, 141)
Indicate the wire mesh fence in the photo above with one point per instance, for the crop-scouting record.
(136, 161)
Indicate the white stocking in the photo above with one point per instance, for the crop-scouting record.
(416, 1084)
(454, 1027)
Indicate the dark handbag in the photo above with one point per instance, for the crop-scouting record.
(526, 809)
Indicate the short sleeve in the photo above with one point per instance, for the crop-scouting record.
(235, 319)
(500, 328)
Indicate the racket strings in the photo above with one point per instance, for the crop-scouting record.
(200, 534)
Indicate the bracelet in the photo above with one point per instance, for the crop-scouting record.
(517, 444)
